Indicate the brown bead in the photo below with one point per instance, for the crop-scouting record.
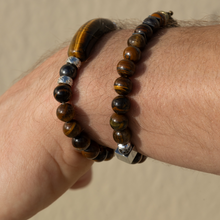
(152, 22)
(137, 40)
(92, 151)
(144, 30)
(102, 155)
(160, 17)
(137, 158)
(122, 137)
(132, 53)
(62, 93)
(81, 141)
(143, 159)
(71, 129)
(65, 112)
(118, 122)
(126, 68)
(121, 104)
(110, 153)
(123, 85)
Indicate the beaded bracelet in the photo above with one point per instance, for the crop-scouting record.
(126, 151)
(79, 50)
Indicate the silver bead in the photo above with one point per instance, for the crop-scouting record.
(125, 148)
(65, 80)
(74, 60)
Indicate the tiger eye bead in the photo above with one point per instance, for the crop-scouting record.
(126, 68)
(92, 151)
(137, 158)
(71, 129)
(144, 30)
(81, 141)
(132, 53)
(152, 22)
(160, 17)
(143, 159)
(123, 85)
(136, 40)
(122, 137)
(62, 93)
(102, 154)
(121, 105)
(110, 153)
(118, 122)
(65, 112)
(68, 70)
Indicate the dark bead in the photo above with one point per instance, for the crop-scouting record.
(68, 70)
(160, 17)
(102, 155)
(62, 93)
(121, 104)
(122, 137)
(126, 68)
(65, 112)
(137, 40)
(143, 159)
(110, 153)
(71, 129)
(81, 141)
(137, 158)
(92, 151)
(118, 122)
(152, 22)
(144, 30)
(132, 53)
(123, 85)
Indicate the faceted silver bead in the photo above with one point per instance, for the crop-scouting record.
(74, 60)
(125, 148)
(65, 80)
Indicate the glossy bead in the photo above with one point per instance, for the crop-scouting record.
(62, 93)
(92, 151)
(65, 80)
(137, 40)
(144, 30)
(143, 159)
(167, 15)
(110, 153)
(102, 154)
(132, 53)
(152, 22)
(118, 122)
(68, 70)
(81, 141)
(126, 68)
(122, 137)
(137, 158)
(160, 17)
(65, 112)
(71, 129)
(74, 61)
(121, 105)
(125, 149)
(123, 85)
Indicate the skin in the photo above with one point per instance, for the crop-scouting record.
(174, 115)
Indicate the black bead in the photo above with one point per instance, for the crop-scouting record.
(81, 141)
(152, 22)
(62, 93)
(121, 104)
(102, 154)
(68, 70)
(137, 158)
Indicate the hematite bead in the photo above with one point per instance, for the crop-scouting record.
(126, 68)
(122, 137)
(71, 129)
(160, 17)
(132, 53)
(81, 141)
(65, 80)
(62, 93)
(102, 154)
(65, 112)
(137, 40)
(68, 70)
(144, 30)
(123, 85)
(92, 151)
(152, 22)
(118, 122)
(110, 153)
(120, 104)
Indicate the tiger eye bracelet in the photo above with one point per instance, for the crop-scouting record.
(126, 151)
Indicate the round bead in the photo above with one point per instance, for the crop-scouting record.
(110, 153)
(125, 148)
(121, 105)
(144, 30)
(160, 17)
(126, 68)
(74, 60)
(122, 137)
(92, 151)
(81, 141)
(137, 40)
(71, 129)
(62, 93)
(123, 85)
(143, 159)
(65, 80)
(68, 70)
(118, 122)
(137, 158)
(132, 53)
(102, 155)
(152, 22)
(65, 112)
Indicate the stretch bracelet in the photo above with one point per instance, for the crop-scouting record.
(126, 151)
